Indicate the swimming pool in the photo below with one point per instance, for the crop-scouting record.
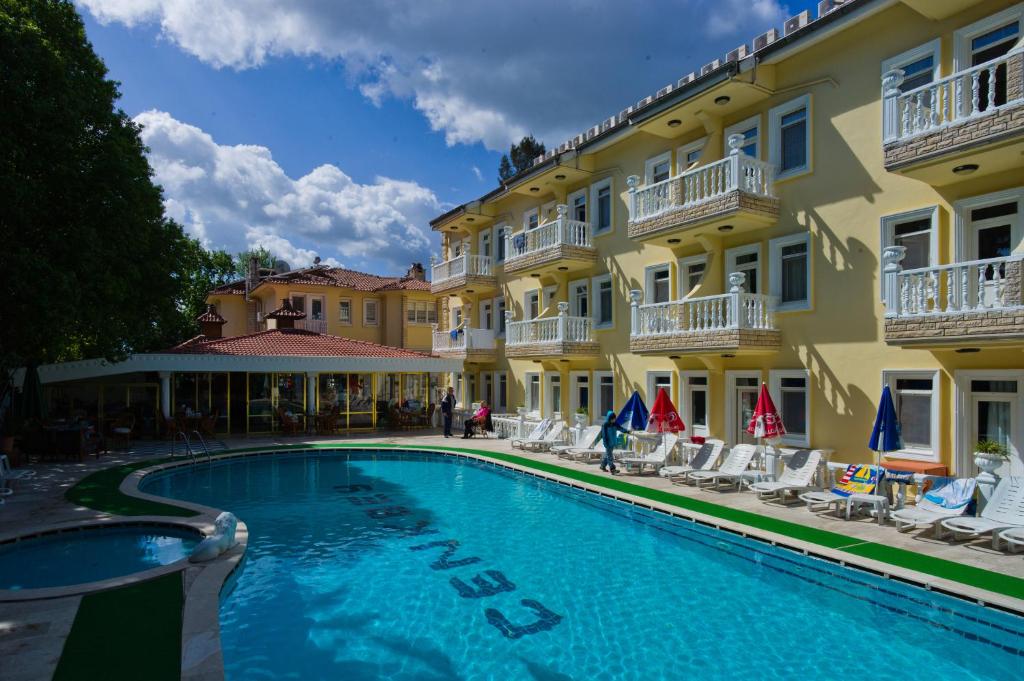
(90, 553)
(364, 565)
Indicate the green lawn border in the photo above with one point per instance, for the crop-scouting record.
(101, 491)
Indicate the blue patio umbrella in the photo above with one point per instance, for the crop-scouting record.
(634, 415)
(885, 435)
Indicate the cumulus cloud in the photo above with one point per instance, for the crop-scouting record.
(484, 71)
(237, 196)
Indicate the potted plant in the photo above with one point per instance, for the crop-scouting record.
(990, 455)
(580, 417)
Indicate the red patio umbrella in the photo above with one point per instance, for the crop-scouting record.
(664, 418)
(766, 424)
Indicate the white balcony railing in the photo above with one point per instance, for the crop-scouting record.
(972, 286)
(316, 325)
(559, 232)
(978, 91)
(463, 339)
(738, 171)
(465, 264)
(734, 310)
(560, 329)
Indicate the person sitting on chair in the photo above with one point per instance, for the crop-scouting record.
(479, 420)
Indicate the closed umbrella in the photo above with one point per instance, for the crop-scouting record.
(886, 434)
(664, 418)
(766, 424)
(32, 407)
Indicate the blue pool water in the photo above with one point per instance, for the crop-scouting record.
(418, 566)
(90, 555)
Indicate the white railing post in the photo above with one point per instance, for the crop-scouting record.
(563, 235)
(891, 81)
(563, 313)
(633, 181)
(634, 309)
(508, 327)
(735, 152)
(892, 256)
(736, 291)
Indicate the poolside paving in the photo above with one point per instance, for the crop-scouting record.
(32, 633)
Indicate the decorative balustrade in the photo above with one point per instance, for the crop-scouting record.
(965, 287)
(967, 94)
(708, 314)
(559, 232)
(738, 171)
(463, 339)
(512, 426)
(460, 266)
(560, 329)
(315, 325)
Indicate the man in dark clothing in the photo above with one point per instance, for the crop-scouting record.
(609, 435)
(447, 408)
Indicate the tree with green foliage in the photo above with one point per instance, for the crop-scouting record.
(262, 254)
(519, 157)
(90, 264)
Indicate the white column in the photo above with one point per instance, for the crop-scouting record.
(735, 141)
(892, 257)
(563, 311)
(987, 478)
(633, 181)
(508, 326)
(634, 311)
(891, 81)
(736, 290)
(165, 393)
(311, 378)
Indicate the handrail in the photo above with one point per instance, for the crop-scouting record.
(202, 441)
(188, 445)
(990, 284)
(465, 264)
(562, 231)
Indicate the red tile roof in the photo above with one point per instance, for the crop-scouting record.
(286, 311)
(233, 288)
(211, 316)
(292, 342)
(332, 276)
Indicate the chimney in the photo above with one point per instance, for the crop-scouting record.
(252, 275)
(286, 315)
(210, 323)
(417, 272)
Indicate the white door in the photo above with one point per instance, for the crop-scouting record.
(744, 399)
(553, 399)
(995, 409)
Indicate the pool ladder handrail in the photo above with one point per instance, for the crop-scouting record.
(202, 441)
(188, 445)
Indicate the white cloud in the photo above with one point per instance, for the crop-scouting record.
(237, 196)
(476, 172)
(484, 71)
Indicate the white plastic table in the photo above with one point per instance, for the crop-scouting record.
(879, 502)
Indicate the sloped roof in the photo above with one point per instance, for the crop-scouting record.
(286, 311)
(210, 315)
(292, 342)
(332, 276)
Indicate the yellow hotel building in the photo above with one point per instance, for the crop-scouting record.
(828, 209)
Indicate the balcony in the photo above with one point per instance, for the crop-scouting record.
(736, 322)
(561, 244)
(738, 191)
(468, 344)
(978, 113)
(561, 337)
(966, 303)
(465, 273)
(315, 325)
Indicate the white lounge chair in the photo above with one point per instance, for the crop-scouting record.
(535, 434)
(588, 438)
(551, 438)
(841, 491)
(705, 459)
(797, 476)
(1014, 538)
(1005, 510)
(947, 499)
(655, 458)
(732, 469)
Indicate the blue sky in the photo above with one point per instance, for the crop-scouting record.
(336, 128)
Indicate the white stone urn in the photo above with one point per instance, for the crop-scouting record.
(580, 420)
(988, 464)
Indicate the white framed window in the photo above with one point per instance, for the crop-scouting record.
(485, 243)
(751, 131)
(917, 231)
(499, 316)
(989, 226)
(500, 232)
(500, 405)
(604, 317)
(579, 392)
(658, 168)
(531, 304)
(741, 392)
(915, 394)
(548, 211)
(553, 395)
(604, 395)
(691, 273)
(920, 65)
(688, 155)
(345, 311)
(745, 259)
(789, 137)
(988, 38)
(531, 218)
(456, 317)
(371, 309)
(656, 380)
(694, 400)
(657, 284)
(601, 200)
(458, 248)
(791, 271)
(579, 298)
(790, 389)
(486, 314)
(578, 205)
(421, 312)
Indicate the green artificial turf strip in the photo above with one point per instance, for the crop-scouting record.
(126, 634)
(100, 491)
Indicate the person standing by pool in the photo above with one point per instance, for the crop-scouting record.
(447, 409)
(609, 434)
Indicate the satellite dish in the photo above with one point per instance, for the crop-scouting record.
(280, 266)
